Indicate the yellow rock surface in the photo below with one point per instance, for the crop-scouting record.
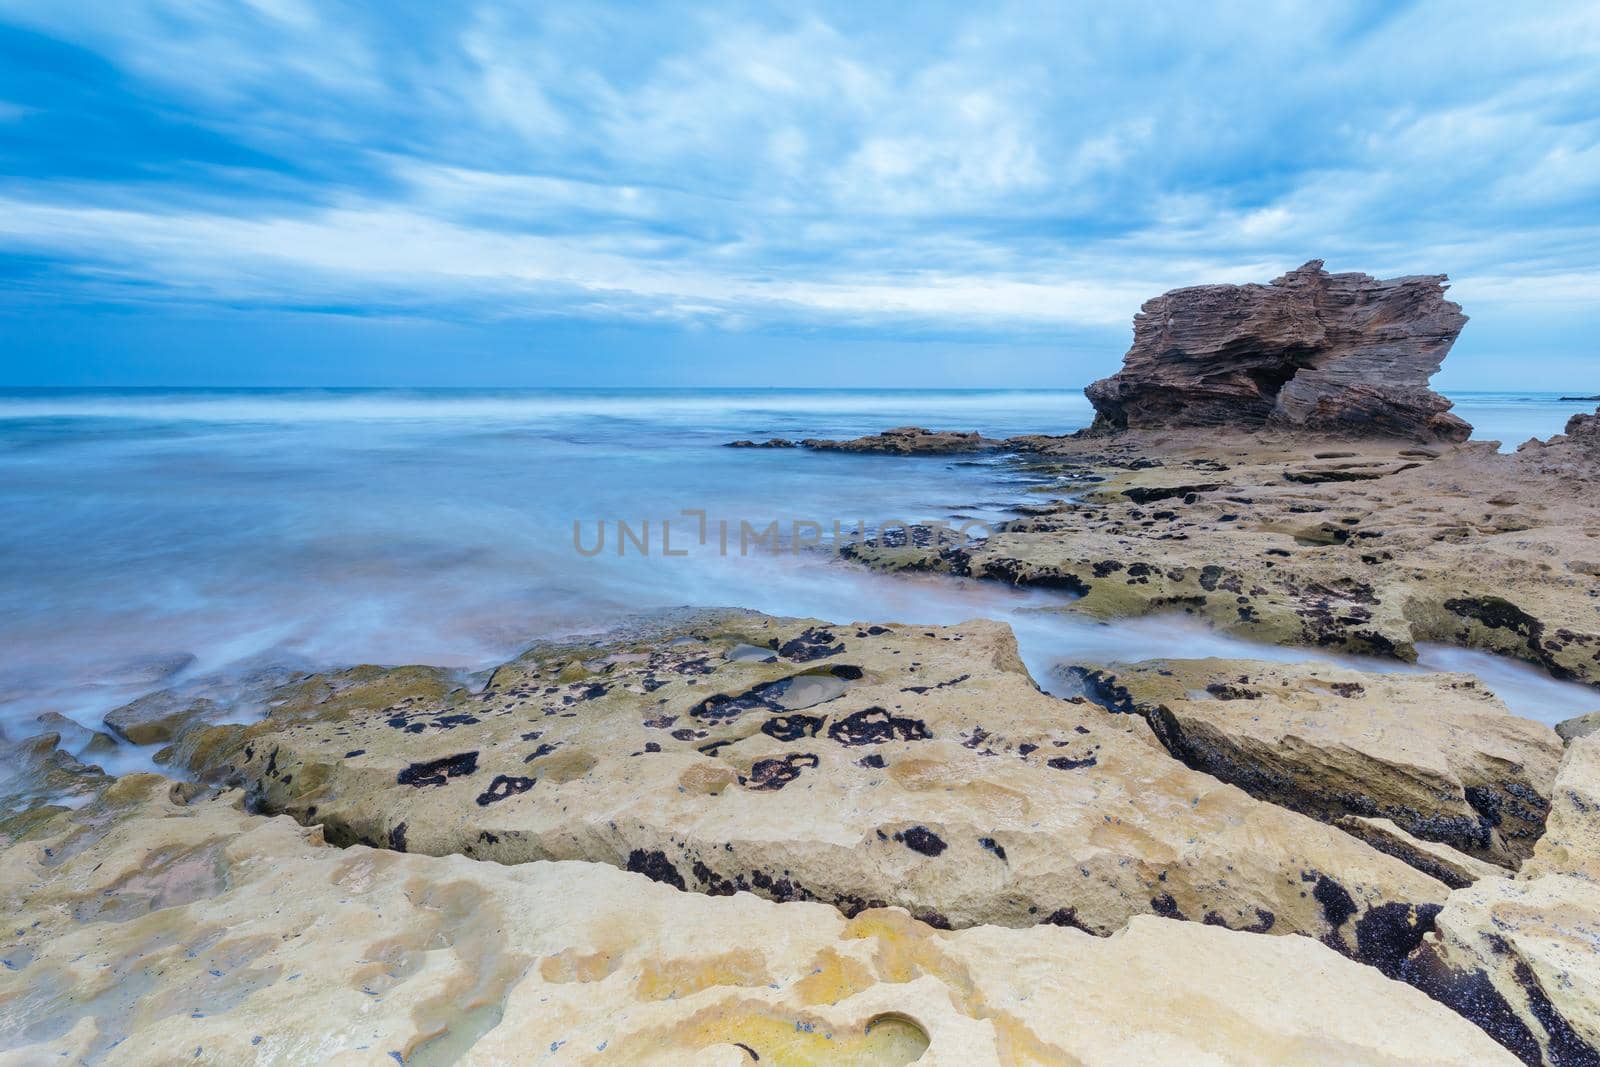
(860, 765)
(157, 932)
(1438, 754)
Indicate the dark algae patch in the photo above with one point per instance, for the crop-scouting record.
(435, 772)
(921, 839)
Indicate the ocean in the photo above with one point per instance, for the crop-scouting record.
(151, 538)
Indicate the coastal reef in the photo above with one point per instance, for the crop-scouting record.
(720, 837)
(1368, 547)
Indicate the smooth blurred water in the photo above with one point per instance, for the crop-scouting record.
(1512, 418)
(317, 528)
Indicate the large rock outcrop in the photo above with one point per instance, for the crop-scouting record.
(1341, 354)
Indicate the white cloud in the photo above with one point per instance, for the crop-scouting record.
(353, 252)
(996, 170)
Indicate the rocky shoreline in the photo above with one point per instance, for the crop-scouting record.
(723, 837)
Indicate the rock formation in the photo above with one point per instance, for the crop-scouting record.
(1585, 429)
(163, 927)
(1342, 354)
(900, 441)
(861, 766)
(1437, 754)
(906, 441)
(1518, 955)
(1370, 547)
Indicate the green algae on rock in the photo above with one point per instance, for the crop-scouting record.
(1461, 545)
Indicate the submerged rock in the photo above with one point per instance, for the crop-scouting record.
(1579, 726)
(1438, 754)
(868, 765)
(774, 442)
(157, 718)
(74, 736)
(1328, 353)
(151, 930)
(907, 440)
(39, 781)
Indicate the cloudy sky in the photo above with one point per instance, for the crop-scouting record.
(303, 192)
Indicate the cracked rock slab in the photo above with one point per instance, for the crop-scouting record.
(940, 779)
(157, 931)
(1438, 754)
(1521, 956)
(1455, 869)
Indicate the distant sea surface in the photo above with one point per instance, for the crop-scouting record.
(153, 537)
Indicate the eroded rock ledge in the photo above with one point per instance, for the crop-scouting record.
(1327, 353)
(154, 930)
(1436, 754)
(900, 441)
(1367, 547)
(861, 766)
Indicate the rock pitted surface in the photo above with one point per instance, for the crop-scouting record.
(1328, 353)
(862, 766)
(1579, 726)
(154, 930)
(1368, 547)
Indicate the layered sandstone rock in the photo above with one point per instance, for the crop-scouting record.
(861, 765)
(1438, 754)
(1330, 353)
(1518, 957)
(1571, 842)
(157, 931)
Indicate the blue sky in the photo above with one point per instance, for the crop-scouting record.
(292, 192)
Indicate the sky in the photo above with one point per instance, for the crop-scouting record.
(290, 192)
